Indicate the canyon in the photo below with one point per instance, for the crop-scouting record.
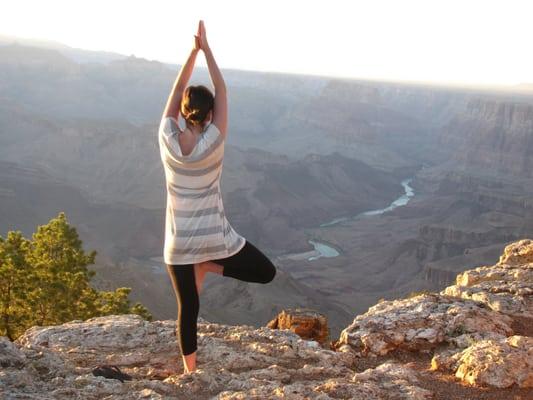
(78, 134)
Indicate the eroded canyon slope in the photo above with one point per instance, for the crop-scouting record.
(79, 137)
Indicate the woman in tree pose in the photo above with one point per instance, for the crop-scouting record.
(198, 236)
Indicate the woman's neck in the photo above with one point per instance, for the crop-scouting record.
(197, 129)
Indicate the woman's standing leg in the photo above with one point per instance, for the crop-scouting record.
(249, 265)
(184, 284)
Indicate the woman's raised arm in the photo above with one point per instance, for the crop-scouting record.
(220, 111)
(172, 108)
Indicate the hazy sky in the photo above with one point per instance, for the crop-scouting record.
(466, 41)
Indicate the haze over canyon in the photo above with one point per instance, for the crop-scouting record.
(78, 134)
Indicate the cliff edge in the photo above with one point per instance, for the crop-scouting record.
(471, 340)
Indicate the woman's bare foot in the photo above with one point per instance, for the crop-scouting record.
(214, 267)
(199, 274)
(203, 268)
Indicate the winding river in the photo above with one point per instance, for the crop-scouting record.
(324, 250)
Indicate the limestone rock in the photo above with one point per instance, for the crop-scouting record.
(471, 323)
(421, 323)
(306, 323)
(500, 363)
(233, 362)
(124, 340)
(520, 252)
(506, 286)
(397, 378)
(10, 355)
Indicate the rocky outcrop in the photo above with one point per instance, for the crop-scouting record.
(308, 324)
(506, 286)
(491, 136)
(421, 323)
(465, 331)
(234, 362)
(499, 363)
(472, 319)
(519, 253)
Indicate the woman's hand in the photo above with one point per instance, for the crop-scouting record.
(197, 42)
(196, 46)
(201, 35)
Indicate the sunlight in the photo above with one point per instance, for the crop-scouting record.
(474, 42)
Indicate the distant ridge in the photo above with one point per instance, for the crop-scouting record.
(104, 57)
(75, 54)
(525, 86)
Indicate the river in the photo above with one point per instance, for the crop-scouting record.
(324, 250)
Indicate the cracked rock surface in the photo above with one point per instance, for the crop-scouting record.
(431, 346)
(235, 362)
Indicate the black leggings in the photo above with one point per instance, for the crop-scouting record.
(249, 265)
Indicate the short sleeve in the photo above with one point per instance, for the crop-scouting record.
(211, 134)
(207, 142)
(168, 127)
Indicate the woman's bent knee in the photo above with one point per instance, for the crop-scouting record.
(270, 273)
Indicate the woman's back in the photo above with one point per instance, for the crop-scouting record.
(196, 227)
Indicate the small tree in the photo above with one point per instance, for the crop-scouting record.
(15, 274)
(45, 281)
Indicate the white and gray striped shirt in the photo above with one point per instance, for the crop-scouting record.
(196, 227)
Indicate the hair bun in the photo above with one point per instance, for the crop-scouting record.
(190, 114)
(196, 103)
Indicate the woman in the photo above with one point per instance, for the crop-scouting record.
(198, 236)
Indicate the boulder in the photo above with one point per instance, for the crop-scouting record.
(306, 323)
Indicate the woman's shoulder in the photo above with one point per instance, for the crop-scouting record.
(213, 126)
(212, 133)
(169, 126)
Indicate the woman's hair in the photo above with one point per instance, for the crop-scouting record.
(196, 103)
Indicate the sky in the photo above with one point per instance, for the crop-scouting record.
(448, 42)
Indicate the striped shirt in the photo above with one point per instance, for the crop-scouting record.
(196, 227)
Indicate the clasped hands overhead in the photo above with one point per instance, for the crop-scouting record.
(200, 39)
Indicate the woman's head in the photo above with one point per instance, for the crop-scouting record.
(196, 104)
